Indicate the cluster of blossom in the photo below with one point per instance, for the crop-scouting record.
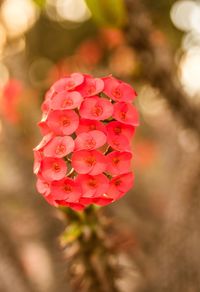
(85, 155)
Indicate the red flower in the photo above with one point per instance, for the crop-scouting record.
(118, 90)
(66, 100)
(93, 186)
(92, 162)
(59, 147)
(68, 83)
(119, 185)
(91, 86)
(126, 113)
(96, 108)
(63, 122)
(90, 140)
(90, 125)
(85, 155)
(53, 168)
(66, 189)
(119, 162)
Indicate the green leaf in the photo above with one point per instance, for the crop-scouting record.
(108, 12)
(40, 3)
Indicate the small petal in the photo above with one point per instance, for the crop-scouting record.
(66, 189)
(126, 113)
(117, 128)
(119, 162)
(90, 125)
(43, 187)
(119, 143)
(90, 140)
(93, 186)
(59, 147)
(66, 100)
(96, 108)
(89, 162)
(91, 86)
(63, 122)
(119, 185)
(53, 168)
(68, 83)
(118, 90)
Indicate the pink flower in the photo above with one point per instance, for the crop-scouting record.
(59, 146)
(66, 189)
(90, 140)
(92, 162)
(119, 129)
(119, 135)
(126, 113)
(91, 86)
(43, 187)
(96, 108)
(63, 122)
(68, 83)
(90, 125)
(93, 186)
(118, 90)
(119, 162)
(119, 185)
(119, 142)
(66, 100)
(53, 168)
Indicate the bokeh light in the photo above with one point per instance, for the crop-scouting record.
(18, 16)
(190, 71)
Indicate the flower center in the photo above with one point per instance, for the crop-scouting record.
(97, 111)
(91, 161)
(92, 183)
(90, 143)
(56, 167)
(67, 189)
(91, 89)
(117, 182)
(67, 102)
(70, 84)
(117, 130)
(92, 127)
(115, 160)
(60, 149)
(116, 92)
(123, 115)
(65, 122)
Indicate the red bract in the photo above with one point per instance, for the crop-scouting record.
(85, 155)
(92, 162)
(66, 100)
(118, 90)
(96, 108)
(90, 140)
(63, 122)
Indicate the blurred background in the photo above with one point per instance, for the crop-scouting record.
(155, 46)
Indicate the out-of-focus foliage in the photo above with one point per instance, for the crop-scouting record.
(108, 12)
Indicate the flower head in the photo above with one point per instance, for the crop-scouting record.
(85, 154)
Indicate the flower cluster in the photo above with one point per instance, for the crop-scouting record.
(85, 155)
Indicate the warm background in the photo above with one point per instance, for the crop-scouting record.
(154, 45)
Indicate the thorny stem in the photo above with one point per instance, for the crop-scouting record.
(94, 252)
